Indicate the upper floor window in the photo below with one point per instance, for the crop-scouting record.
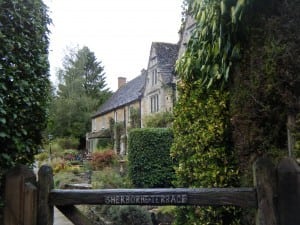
(154, 77)
(154, 104)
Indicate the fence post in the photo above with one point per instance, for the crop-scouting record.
(265, 183)
(20, 197)
(45, 184)
(288, 191)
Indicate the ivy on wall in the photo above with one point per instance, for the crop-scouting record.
(202, 129)
(238, 84)
(215, 42)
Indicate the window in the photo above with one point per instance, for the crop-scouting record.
(154, 77)
(116, 116)
(154, 104)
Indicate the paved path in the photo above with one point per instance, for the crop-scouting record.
(60, 219)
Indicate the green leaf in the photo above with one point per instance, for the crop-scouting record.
(2, 134)
(3, 120)
(6, 156)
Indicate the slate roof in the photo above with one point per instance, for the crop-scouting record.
(130, 92)
(166, 58)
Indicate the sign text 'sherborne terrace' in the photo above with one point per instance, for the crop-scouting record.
(160, 199)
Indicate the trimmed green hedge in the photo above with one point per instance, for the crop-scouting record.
(24, 83)
(149, 160)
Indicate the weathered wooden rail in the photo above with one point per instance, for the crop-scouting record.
(243, 197)
(275, 196)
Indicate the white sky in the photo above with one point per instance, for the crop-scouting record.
(119, 32)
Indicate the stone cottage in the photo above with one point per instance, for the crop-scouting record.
(117, 108)
(159, 93)
(151, 92)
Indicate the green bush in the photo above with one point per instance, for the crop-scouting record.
(24, 83)
(133, 215)
(68, 143)
(149, 161)
(63, 178)
(55, 148)
(104, 143)
(163, 119)
(109, 178)
(43, 156)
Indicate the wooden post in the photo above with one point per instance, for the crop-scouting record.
(291, 121)
(45, 184)
(289, 191)
(265, 183)
(20, 197)
(30, 204)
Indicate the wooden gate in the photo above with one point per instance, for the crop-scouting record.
(275, 196)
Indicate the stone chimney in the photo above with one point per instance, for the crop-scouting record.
(121, 81)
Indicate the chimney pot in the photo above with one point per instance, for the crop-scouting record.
(121, 81)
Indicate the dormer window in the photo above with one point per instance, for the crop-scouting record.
(154, 77)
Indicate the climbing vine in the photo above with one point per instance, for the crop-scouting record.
(202, 145)
(237, 85)
(215, 42)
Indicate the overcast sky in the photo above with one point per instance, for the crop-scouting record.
(119, 32)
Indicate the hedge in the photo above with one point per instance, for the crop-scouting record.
(149, 160)
(24, 83)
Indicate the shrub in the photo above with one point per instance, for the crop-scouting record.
(55, 147)
(42, 157)
(68, 143)
(70, 154)
(149, 161)
(24, 83)
(61, 179)
(163, 119)
(103, 159)
(58, 165)
(133, 215)
(109, 178)
(104, 143)
(135, 118)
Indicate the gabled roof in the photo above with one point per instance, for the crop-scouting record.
(130, 92)
(166, 58)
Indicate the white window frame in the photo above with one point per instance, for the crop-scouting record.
(154, 77)
(154, 103)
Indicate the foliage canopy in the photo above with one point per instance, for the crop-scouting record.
(24, 83)
(81, 90)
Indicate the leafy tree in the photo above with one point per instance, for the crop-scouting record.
(81, 90)
(83, 72)
(24, 80)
